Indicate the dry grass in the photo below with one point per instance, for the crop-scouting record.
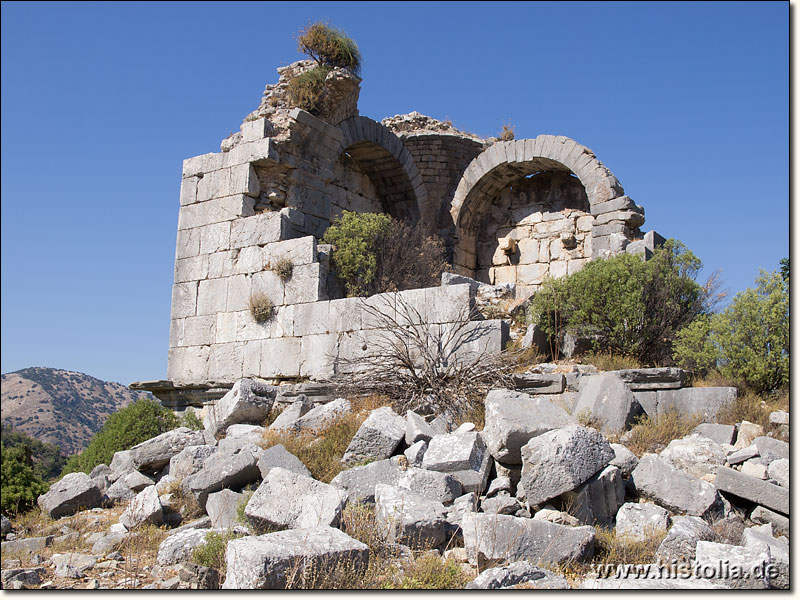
(605, 361)
(587, 419)
(140, 550)
(652, 435)
(283, 267)
(476, 414)
(751, 407)
(185, 502)
(614, 549)
(261, 307)
(320, 451)
(507, 134)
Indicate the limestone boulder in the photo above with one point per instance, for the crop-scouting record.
(224, 470)
(288, 418)
(408, 518)
(462, 455)
(138, 481)
(279, 456)
(286, 500)
(608, 400)
(433, 485)
(754, 537)
(560, 460)
(72, 564)
(377, 438)
(222, 508)
(247, 402)
(779, 471)
(747, 433)
(73, 492)
(236, 434)
(764, 516)
(415, 453)
(771, 449)
(155, 454)
(516, 573)
(681, 540)
(721, 434)
(696, 455)
(597, 500)
(358, 483)
(508, 538)
(119, 491)
(262, 562)
(710, 556)
(641, 521)
(144, 509)
(178, 547)
(513, 418)
(323, 415)
(624, 460)
(189, 461)
(673, 489)
(763, 493)
(418, 429)
(500, 504)
(121, 464)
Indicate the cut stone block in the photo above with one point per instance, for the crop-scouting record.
(778, 550)
(287, 500)
(606, 398)
(763, 516)
(721, 434)
(377, 438)
(224, 470)
(189, 461)
(248, 402)
(597, 500)
(560, 460)
(417, 429)
(73, 492)
(771, 449)
(696, 455)
(624, 460)
(516, 573)
(323, 415)
(659, 378)
(539, 383)
(431, 484)
(221, 507)
(640, 521)
(288, 418)
(279, 456)
(755, 490)
(358, 483)
(514, 418)
(178, 547)
(507, 538)
(155, 454)
(747, 433)
(734, 567)
(462, 455)
(779, 471)
(409, 518)
(675, 490)
(682, 538)
(145, 508)
(415, 453)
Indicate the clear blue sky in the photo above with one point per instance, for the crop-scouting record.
(686, 103)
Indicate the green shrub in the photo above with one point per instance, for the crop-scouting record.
(191, 420)
(211, 553)
(374, 253)
(261, 307)
(47, 458)
(19, 485)
(748, 341)
(626, 305)
(306, 90)
(136, 423)
(329, 46)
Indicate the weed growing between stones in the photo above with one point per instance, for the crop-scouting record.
(652, 435)
(507, 134)
(329, 46)
(751, 407)
(185, 502)
(261, 307)
(607, 361)
(211, 553)
(283, 267)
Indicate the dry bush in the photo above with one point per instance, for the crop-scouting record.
(283, 267)
(185, 501)
(321, 450)
(329, 46)
(610, 548)
(429, 571)
(428, 368)
(307, 89)
(409, 259)
(140, 550)
(728, 530)
(652, 435)
(261, 307)
(607, 361)
(586, 418)
(507, 134)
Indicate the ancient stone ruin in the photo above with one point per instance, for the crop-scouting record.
(510, 212)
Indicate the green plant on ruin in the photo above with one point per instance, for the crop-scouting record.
(307, 89)
(261, 307)
(626, 305)
(211, 553)
(329, 46)
(748, 341)
(283, 267)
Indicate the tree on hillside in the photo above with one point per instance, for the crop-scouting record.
(19, 485)
(47, 460)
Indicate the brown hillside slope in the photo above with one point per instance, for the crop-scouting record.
(60, 407)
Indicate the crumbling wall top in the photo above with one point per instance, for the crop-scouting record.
(415, 123)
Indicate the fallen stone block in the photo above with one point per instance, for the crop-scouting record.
(597, 500)
(155, 454)
(119, 491)
(279, 456)
(178, 548)
(110, 541)
(696, 455)
(733, 567)
(145, 508)
(32, 545)
(516, 573)
(658, 378)
(358, 483)
(514, 418)
(741, 455)
(747, 433)
(434, 485)
(764, 516)
(73, 492)
(778, 550)
(417, 429)
(415, 453)
(500, 504)
(681, 540)
(72, 564)
(286, 500)
(21, 578)
(641, 521)
(771, 449)
(636, 581)
(550, 514)
(675, 490)
(377, 438)
(560, 460)
(5, 525)
(779, 471)
(608, 400)
(288, 418)
(189, 461)
(468, 503)
(755, 469)
(222, 508)
(703, 401)
(503, 537)
(408, 518)
(624, 460)
(462, 455)
(121, 464)
(721, 434)
(539, 383)
(262, 562)
(323, 415)
(755, 490)
(247, 402)
(224, 470)
(137, 481)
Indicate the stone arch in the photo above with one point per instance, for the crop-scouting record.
(504, 162)
(390, 167)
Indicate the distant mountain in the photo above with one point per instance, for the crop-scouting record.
(60, 407)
